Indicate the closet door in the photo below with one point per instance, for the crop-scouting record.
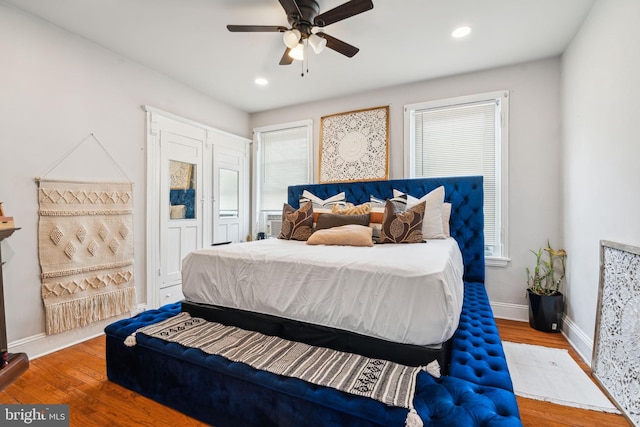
(197, 195)
(230, 207)
(180, 208)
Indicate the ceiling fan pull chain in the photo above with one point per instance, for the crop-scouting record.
(306, 53)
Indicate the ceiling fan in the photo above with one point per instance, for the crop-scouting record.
(307, 27)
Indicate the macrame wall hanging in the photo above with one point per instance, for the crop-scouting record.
(85, 247)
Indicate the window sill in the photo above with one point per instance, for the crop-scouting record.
(497, 262)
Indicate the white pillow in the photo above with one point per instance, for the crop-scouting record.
(446, 216)
(432, 227)
(337, 199)
(320, 205)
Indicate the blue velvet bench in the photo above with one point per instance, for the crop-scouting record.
(476, 392)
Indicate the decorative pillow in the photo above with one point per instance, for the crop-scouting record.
(377, 207)
(377, 214)
(402, 227)
(432, 223)
(336, 220)
(296, 224)
(446, 216)
(364, 208)
(345, 235)
(320, 205)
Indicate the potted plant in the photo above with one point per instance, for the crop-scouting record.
(546, 302)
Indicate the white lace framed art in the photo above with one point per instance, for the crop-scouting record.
(354, 146)
(616, 352)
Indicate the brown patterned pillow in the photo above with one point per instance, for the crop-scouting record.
(297, 224)
(402, 227)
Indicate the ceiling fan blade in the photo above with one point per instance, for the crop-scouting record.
(339, 46)
(286, 59)
(343, 11)
(256, 28)
(290, 7)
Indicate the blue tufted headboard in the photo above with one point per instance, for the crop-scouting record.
(464, 193)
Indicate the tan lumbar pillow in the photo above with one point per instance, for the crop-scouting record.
(344, 235)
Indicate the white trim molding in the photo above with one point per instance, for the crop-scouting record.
(42, 344)
(505, 310)
(581, 342)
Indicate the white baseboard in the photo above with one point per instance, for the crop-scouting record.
(581, 342)
(505, 310)
(42, 344)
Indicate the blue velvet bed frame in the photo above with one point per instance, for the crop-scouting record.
(476, 392)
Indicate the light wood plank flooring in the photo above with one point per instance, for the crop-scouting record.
(77, 376)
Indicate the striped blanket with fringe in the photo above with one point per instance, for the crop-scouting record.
(388, 382)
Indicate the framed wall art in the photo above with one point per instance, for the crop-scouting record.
(616, 351)
(354, 146)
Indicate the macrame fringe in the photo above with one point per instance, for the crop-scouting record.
(78, 313)
(413, 419)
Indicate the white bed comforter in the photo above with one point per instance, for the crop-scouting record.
(406, 293)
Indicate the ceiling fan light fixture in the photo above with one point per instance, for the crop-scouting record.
(291, 38)
(317, 43)
(297, 52)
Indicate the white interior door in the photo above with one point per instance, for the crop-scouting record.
(229, 207)
(230, 186)
(181, 207)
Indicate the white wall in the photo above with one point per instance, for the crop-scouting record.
(55, 90)
(535, 182)
(601, 110)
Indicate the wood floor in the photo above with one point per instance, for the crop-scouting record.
(77, 376)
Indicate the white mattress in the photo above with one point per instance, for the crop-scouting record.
(405, 293)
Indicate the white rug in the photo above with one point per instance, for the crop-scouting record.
(551, 375)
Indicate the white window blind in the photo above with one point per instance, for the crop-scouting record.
(462, 137)
(284, 162)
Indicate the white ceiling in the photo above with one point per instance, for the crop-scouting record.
(400, 41)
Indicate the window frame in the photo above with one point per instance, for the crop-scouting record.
(257, 164)
(501, 258)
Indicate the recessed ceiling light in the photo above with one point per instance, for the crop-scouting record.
(461, 32)
(261, 81)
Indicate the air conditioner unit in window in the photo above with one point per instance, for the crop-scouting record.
(273, 224)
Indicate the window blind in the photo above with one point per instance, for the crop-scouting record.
(461, 140)
(284, 162)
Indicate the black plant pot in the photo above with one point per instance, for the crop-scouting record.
(545, 311)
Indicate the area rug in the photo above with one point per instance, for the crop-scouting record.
(85, 247)
(551, 375)
(387, 382)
